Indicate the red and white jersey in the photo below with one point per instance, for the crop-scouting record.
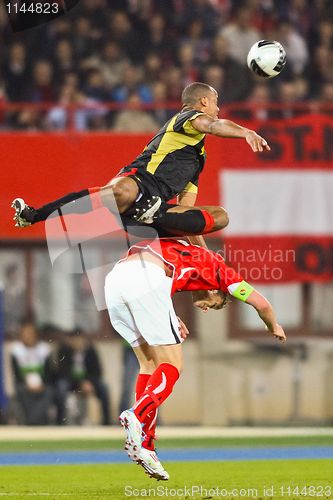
(194, 267)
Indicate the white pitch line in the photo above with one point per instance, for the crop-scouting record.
(50, 433)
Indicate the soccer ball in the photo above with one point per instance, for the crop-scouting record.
(266, 58)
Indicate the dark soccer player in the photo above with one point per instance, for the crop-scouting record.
(169, 166)
(141, 311)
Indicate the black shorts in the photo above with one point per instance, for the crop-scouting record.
(147, 183)
(148, 188)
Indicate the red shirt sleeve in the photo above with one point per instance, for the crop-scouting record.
(227, 275)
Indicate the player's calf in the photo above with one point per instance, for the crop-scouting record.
(184, 221)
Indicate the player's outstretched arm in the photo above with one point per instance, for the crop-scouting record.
(266, 313)
(227, 128)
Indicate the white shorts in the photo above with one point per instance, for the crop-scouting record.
(138, 297)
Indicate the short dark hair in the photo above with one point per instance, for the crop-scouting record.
(194, 91)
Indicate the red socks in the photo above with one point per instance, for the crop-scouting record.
(159, 387)
(141, 383)
(150, 423)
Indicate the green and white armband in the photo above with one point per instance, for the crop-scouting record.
(240, 290)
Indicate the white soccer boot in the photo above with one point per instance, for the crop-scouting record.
(133, 429)
(22, 213)
(153, 467)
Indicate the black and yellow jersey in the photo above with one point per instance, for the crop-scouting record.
(173, 160)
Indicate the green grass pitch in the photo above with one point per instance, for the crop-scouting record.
(120, 481)
(252, 479)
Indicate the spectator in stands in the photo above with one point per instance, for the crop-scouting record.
(204, 10)
(152, 68)
(96, 10)
(57, 118)
(241, 34)
(298, 14)
(174, 83)
(14, 299)
(3, 100)
(111, 63)
(158, 39)
(133, 118)
(295, 47)
(287, 96)
(326, 99)
(161, 114)
(31, 365)
(260, 99)
(302, 89)
(323, 36)
(16, 73)
(127, 36)
(83, 41)
(42, 89)
(63, 60)
(186, 63)
(321, 70)
(95, 86)
(60, 29)
(259, 104)
(131, 83)
(28, 120)
(79, 369)
(214, 75)
(237, 81)
(201, 44)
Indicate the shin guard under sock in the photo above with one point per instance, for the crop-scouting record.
(141, 383)
(189, 222)
(158, 388)
(150, 422)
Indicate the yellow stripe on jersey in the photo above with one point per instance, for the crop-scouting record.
(190, 188)
(170, 142)
(189, 129)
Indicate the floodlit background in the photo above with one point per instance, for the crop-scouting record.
(79, 98)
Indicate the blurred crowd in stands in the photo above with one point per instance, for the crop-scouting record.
(137, 55)
(54, 373)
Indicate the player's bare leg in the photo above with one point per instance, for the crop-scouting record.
(172, 354)
(150, 358)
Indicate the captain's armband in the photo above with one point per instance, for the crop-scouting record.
(240, 290)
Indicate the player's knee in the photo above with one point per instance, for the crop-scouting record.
(221, 218)
(119, 191)
(125, 191)
(147, 366)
